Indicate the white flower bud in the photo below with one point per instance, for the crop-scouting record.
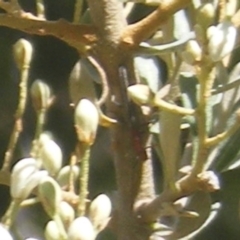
(67, 213)
(221, 40)
(193, 52)
(50, 195)
(51, 155)
(81, 229)
(4, 233)
(64, 174)
(33, 181)
(100, 210)
(81, 84)
(86, 121)
(41, 95)
(22, 51)
(51, 231)
(22, 171)
(140, 94)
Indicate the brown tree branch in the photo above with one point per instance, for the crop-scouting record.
(76, 35)
(128, 140)
(151, 210)
(138, 32)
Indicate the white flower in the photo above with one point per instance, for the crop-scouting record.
(21, 173)
(221, 40)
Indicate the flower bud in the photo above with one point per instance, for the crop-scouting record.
(140, 94)
(66, 213)
(22, 51)
(51, 155)
(193, 52)
(100, 210)
(86, 121)
(33, 182)
(21, 173)
(41, 95)
(81, 229)
(51, 231)
(50, 195)
(4, 233)
(81, 84)
(221, 40)
(205, 15)
(40, 10)
(64, 175)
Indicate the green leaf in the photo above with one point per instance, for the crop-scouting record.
(148, 71)
(188, 86)
(147, 49)
(181, 24)
(227, 153)
(81, 83)
(229, 98)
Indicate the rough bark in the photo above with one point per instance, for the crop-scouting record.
(129, 134)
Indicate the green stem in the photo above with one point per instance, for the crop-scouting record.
(169, 107)
(224, 135)
(84, 182)
(206, 79)
(41, 114)
(77, 11)
(17, 129)
(9, 216)
(29, 202)
(73, 161)
(40, 122)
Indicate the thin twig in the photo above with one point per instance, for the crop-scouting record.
(206, 76)
(73, 161)
(140, 31)
(84, 182)
(166, 106)
(226, 87)
(224, 135)
(10, 214)
(102, 74)
(77, 11)
(222, 10)
(18, 118)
